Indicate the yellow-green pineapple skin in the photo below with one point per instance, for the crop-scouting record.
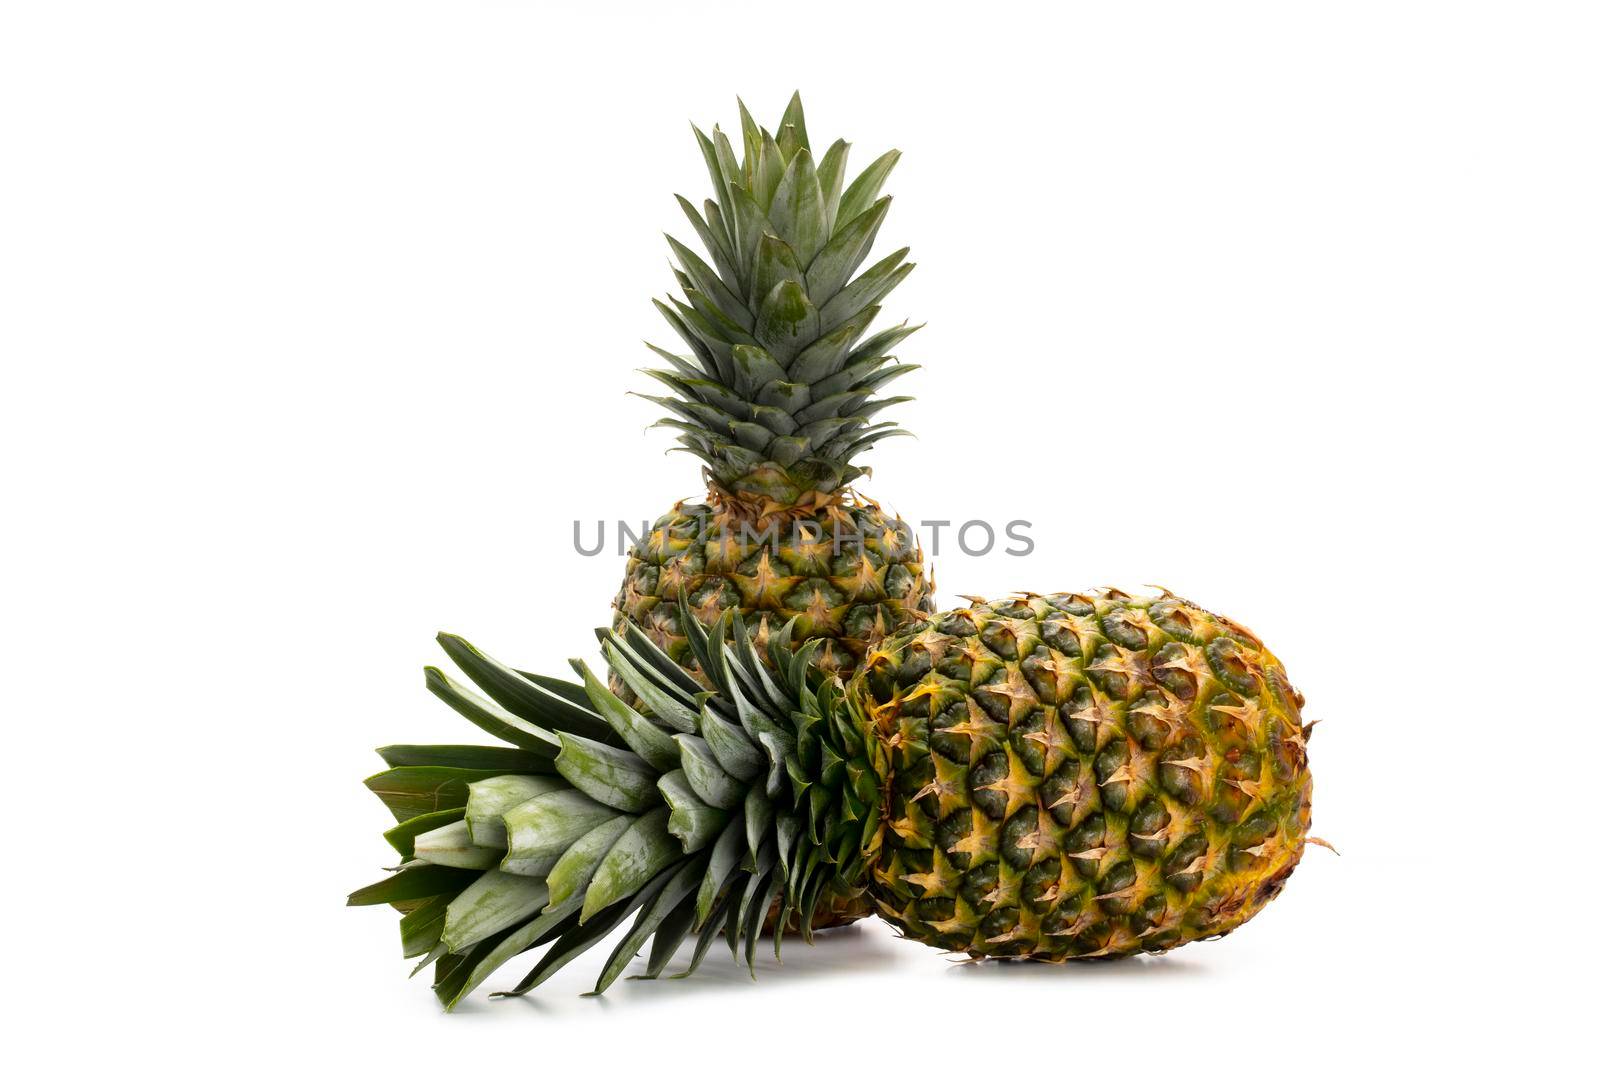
(849, 576)
(1083, 776)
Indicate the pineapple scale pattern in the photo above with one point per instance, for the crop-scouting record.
(851, 576)
(1084, 776)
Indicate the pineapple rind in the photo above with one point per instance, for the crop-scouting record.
(849, 577)
(1083, 776)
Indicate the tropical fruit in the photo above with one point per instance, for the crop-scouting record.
(1056, 777)
(778, 395)
(1083, 776)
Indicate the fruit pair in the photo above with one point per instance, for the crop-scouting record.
(1057, 777)
(1048, 776)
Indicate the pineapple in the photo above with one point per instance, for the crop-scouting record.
(1078, 776)
(777, 396)
(1055, 777)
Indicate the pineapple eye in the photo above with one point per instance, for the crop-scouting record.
(1233, 669)
(1123, 628)
(1060, 636)
(1000, 637)
(1175, 619)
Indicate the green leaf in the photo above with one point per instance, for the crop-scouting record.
(787, 451)
(856, 445)
(719, 181)
(453, 970)
(786, 397)
(412, 791)
(733, 751)
(746, 692)
(523, 697)
(865, 291)
(569, 691)
(644, 651)
(865, 384)
(797, 212)
(706, 776)
(775, 262)
(709, 285)
(769, 889)
(643, 850)
(403, 836)
(699, 642)
(571, 875)
(720, 256)
(824, 357)
(610, 775)
(720, 224)
(788, 837)
(452, 846)
(768, 172)
(793, 125)
(541, 829)
(757, 818)
(413, 883)
(746, 915)
(490, 799)
(849, 246)
(712, 356)
(489, 717)
(787, 321)
(677, 888)
(752, 435)
(754, 367)
(693, 822)
(830, 176)
(711, 923)
(585, 936)
(657, 693)
(751, 223)
(884, 340)
(755, 675)
(779, 747)
(643, 737)
(710, 320)
(494, 902)
(477, 757)
(751, 134)
(670, 935)
(548, 923)
(694, 389)
(724, 861)
(420, 927)
(864, 190)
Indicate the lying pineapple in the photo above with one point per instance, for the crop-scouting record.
(1055, 777)
(777, 395)
(1079, 776)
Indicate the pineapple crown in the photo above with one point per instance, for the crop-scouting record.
(693, 814)
(777, 393)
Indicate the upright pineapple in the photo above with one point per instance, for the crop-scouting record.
(777, 396)
(1054, 777)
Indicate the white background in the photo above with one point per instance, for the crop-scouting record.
(318, 320)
